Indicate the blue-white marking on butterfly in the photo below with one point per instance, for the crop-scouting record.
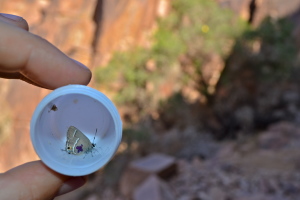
(77, 143)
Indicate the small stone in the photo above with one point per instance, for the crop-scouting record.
(155, 164)
(153, 189)
(162, 165)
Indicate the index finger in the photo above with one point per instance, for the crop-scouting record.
(38, 60)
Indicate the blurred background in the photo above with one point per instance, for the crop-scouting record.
(208, 91)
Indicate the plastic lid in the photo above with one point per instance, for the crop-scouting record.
(91, 112)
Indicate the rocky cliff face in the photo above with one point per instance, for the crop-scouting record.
(90, 30)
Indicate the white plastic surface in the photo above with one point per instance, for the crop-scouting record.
(85, 108)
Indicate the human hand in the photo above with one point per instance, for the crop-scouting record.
(30, 58)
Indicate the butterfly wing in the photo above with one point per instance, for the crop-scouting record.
(77, 143)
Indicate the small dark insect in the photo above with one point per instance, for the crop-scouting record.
(54, 108)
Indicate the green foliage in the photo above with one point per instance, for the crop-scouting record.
(276, 56)
(207, 28)
(194, 29)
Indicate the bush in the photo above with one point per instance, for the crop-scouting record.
(194, 29)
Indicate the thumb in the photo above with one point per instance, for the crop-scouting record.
(36, 181)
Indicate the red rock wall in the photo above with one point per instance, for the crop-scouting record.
(124, 24)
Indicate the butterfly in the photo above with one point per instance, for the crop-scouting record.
(77, 143)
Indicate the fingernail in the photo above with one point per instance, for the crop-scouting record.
(12, 17)
(80, 64)
(71, 184)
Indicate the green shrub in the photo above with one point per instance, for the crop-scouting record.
(269, 51)
(193, 29)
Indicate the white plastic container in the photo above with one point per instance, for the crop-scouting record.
(88, 110)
